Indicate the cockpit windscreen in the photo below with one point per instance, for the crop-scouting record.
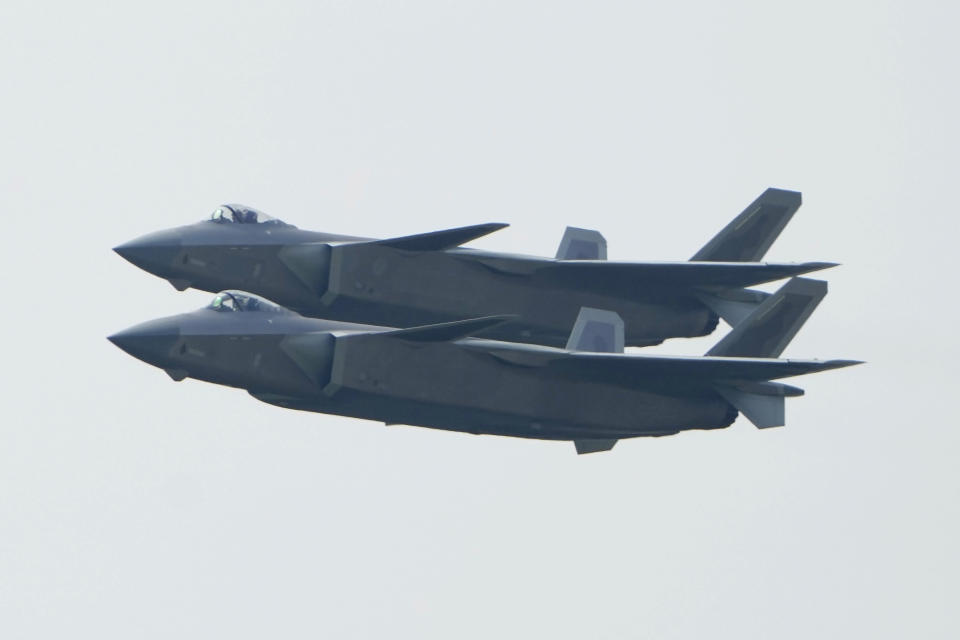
(231, 301)
(241, 214)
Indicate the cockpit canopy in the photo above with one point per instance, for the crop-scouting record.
(240, 301)
(242, 214)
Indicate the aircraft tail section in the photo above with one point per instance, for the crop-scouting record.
(748, 237)
(767, 331)
(740, 368)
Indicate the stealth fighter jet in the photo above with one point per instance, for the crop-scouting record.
(429, 278)
(438, 376)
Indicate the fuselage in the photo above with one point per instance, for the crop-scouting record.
(309, 272)
(365, 372)
(429, 278)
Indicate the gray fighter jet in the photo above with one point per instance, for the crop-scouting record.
(438, 376)
(429, 278)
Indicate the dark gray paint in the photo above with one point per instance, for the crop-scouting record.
(427, 278)
(748, 236)
(436, 377)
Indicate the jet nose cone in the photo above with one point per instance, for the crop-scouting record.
(129, 340)
(154, 252)
(153, 342)
(118, 339)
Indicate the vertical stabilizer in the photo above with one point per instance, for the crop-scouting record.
(748, 237)
(767, 331)
(582, 244)
(597, 330)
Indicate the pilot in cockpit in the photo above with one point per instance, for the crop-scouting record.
(229, 301)
(240, 214)
(244, 216)
(224, 302)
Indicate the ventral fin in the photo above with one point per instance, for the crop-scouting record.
(593, 446)
(733, 305)
(762, 409)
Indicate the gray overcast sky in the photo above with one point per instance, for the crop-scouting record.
(134, 507)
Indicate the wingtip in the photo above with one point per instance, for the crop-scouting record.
(809, 267)
(840, 364)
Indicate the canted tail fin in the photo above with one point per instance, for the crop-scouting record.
(597, 330)
(582, 244)
(748, 237)
(767, 331)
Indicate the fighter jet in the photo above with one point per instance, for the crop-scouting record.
(438, 376)
(429, 278)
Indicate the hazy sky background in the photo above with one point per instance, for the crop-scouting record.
(134, 507)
